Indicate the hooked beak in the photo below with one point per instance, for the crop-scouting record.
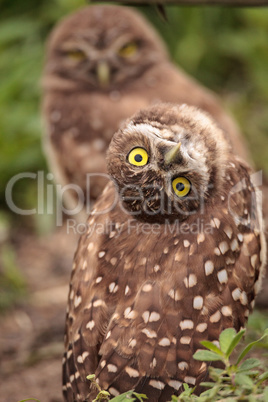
(171, 155)
(103, 74)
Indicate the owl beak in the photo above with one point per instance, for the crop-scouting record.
(171, 155)
(103, 74)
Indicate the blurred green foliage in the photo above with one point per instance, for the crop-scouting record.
(224, 48)
(13, 286)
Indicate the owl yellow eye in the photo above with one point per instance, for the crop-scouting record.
(181, 186)
(76, 54)
(138, 157)
(128, 50)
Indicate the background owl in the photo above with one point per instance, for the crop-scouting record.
(173, 254)
(103, 64)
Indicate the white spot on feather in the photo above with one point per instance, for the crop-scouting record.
(215, 317)
(185, 340)
(153, 363)
(99, 303)
(132, 372)
(113, 260)
(244, 298)
(253, 260)
(209, 267)
(201, 327)
(132, 343)
(154, 316)
(234, 245)
(186, 324)
(111, 368)
(113, 287)
(175, 384)
(217, 222)
(90, 247)
(113, 391)
(80, 359)
(190, 380)
(226, 311)
(190, 281)
(183, 366)
(164, 342)
(217, 251)
(200, 238)
(147, 287)
(157, 384)
(236, 294)
(149, 333)
(146, 316)
(228, 231)
(90, 325)
(222, 276)
(223, 246)
(174, 294)
(77, 301)
(156, 268)
(186, 243)
(198, 302)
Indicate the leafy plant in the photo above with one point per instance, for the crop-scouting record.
(13, 286)
(103, 396)
(243, 380)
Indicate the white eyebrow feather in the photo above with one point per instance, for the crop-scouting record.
(144, 129)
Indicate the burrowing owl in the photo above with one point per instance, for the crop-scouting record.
(103, 64)
(173, 254)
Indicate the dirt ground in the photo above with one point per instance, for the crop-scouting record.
(31, 336)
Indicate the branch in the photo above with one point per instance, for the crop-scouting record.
(233, 3)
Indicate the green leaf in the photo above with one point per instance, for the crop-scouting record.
(265, 394)
(30, 399)
(207, 356)
(249, 364)
(235, 341)
(91, 377)
(207, 384)
(263, 376)
(140, 396)
(211, 346)
(129, 396)
(244, 381)
(102, 396)
(249, 347)
(226, 338)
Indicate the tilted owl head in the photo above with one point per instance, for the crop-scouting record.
(168, 161)
(103, 47)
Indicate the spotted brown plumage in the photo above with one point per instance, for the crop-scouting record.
(90, 87)
(150, 279)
